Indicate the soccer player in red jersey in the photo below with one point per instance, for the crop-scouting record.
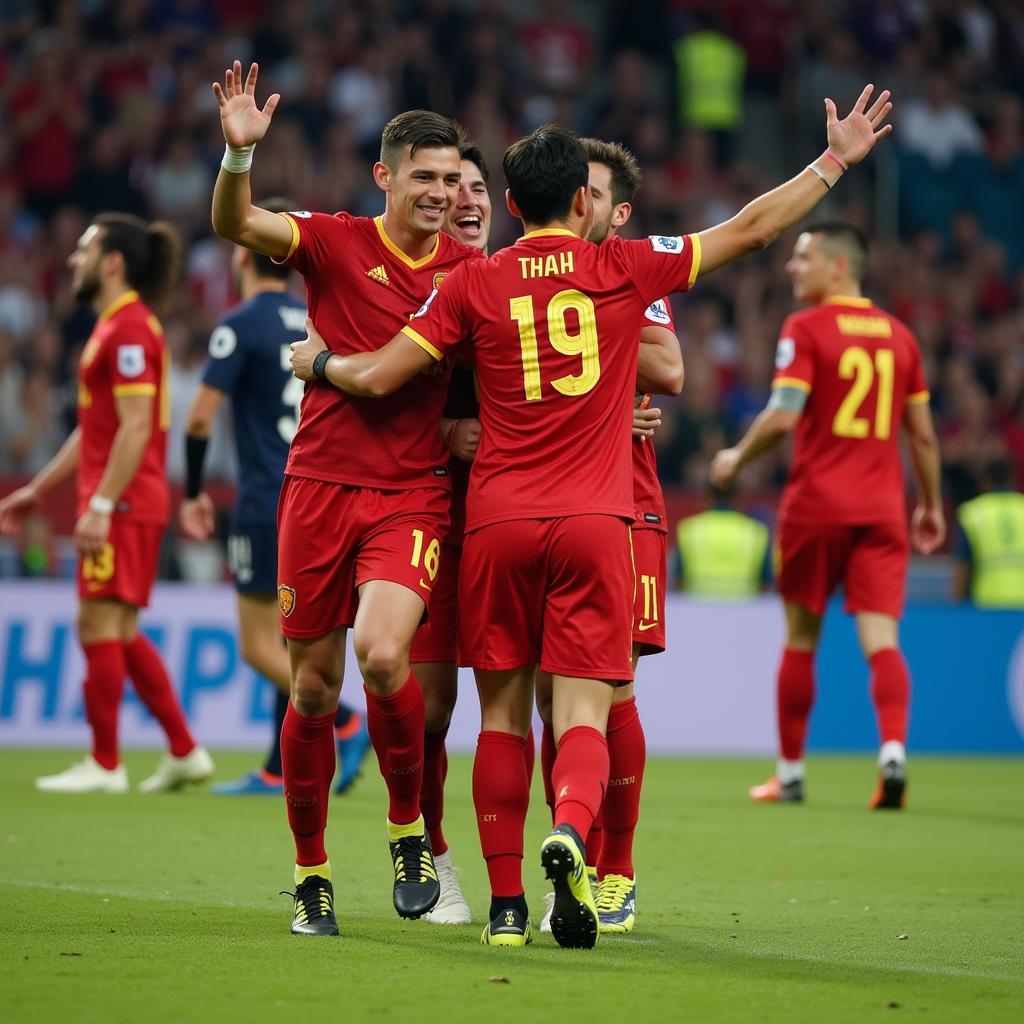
(433, 653)
(614, 179)
(121, 266)
(546, 577)
(847, 375)
(364, 506)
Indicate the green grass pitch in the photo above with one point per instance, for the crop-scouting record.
(165, 908)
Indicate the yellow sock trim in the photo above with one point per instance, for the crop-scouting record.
(414, 828)
(302, 873)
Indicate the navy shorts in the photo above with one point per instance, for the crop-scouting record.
(252, 557)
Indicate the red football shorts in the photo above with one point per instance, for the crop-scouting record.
(332, 539)
(649, 550)
(126, 567)
(869, 561)
(435, 640)
(553, 592)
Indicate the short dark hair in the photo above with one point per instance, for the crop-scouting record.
(841, 237)
(264, 265)
(418, 129)
(151, 253)
(625, 170)
(544, 170)
(467, 151)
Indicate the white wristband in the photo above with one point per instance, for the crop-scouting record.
(237, 159)
(102, 506)
(815, 170)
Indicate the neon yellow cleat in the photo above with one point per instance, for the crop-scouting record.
(616, 903)
(574, 913)
(509, 928)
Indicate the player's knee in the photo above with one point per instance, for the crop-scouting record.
(313, 693)
(381, 663)
(437, 715)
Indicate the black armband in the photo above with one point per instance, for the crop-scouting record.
(320, 364)
(195, 454)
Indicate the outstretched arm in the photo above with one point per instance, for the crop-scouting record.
(244, 124)
(760, 222)
(367, 374)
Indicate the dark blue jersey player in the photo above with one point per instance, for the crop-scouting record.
(249, 363)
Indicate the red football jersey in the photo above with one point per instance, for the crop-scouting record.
(125, 355)
(461, 404)
(647, 495)
(361, 288)
(554, 322)
(860, 367)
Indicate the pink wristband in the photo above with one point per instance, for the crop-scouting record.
(835, 159)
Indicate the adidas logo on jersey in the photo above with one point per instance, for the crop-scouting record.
(379, 274)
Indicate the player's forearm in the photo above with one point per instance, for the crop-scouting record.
(358, 374)
(767, 431)
(61, 466)
(124, 460)
(924, 457)
(232, 206)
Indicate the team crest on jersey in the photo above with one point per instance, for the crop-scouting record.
(666, 243)
(438, 278)
(658, 312)
(286, 599)
(131, 360)
(785, 353)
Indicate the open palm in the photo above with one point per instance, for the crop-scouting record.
(852, 138)
(242, 121)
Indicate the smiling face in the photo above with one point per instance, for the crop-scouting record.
(469, 219)
(421, 188)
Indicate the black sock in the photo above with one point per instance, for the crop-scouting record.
(501, 903)
(272, 765)
(341, 718)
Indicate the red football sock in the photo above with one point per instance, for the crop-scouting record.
(548, 753)
(594, 839)
(396, 730)
(795, 697)
(435, 770)
(103, 689)
(308, 762)
(153, 685)
(501, 796)
(580, 776)
(627, 755)
(890, 691)
(530, 755)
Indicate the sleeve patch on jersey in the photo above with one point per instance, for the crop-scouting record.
(131, 360)
(223, 342)
(426, 305)
(657, 312)
(304, 214)
(666, 243)
(785, 353)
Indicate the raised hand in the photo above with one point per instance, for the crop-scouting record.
(854, 137)
(242, 122)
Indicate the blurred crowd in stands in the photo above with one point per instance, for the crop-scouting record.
(106, 104)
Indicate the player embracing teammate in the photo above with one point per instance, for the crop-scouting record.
(364, 506)
(547, 574)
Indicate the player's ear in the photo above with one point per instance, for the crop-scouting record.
(622, 213)
(511, 204)
(382, 176)
(582, 203)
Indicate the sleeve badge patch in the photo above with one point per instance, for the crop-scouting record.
(785, 353)
(131, 360)
(286, 600)
(666, 243)
(657, 312)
